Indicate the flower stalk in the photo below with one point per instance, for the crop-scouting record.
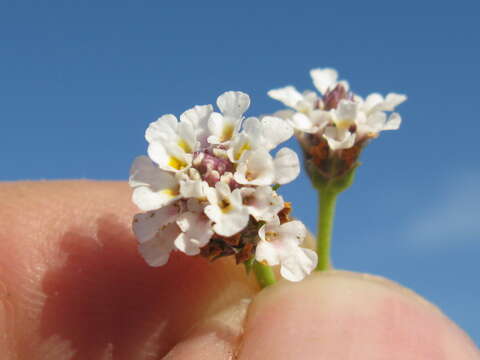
(326, 213)
(264, 274)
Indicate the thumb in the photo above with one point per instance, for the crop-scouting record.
(334, 315)
(342, 315)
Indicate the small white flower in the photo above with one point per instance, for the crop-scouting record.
(196, 232)
(223, 126)
(226, 210)
(152, 186)
(258, 167)
(312, 123)
(339, 138)
(266, 133)
(195, 189)
(198, 118)
(170, 156)
(376, 102)
(280, 245)
(262, 202)
(377, 122)
(156, 232)
(168, 129)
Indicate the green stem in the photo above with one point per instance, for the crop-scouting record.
(326, 212)
(264, 274)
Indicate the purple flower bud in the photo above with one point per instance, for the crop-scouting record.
(333, 97)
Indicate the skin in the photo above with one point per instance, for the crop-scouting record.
(72, 286)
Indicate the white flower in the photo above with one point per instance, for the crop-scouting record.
(339, 138)
(156, 232)
(223, 126)
(198, 118)
(341, 117)
(169, 155)
(196, 232)
(279, 244)
(226, 210)
(266, 133)
(153, 187)
(262, 202)
(208, 177)
(313, 123)
(376, 102)
(258, 167)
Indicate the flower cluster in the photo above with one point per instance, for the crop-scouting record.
(208, 186)
(334, 127)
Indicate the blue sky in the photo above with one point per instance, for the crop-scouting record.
(80, 81)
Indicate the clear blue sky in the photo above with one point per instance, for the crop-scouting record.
(80, 81)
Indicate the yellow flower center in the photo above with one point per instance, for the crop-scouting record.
(245, 146)
(176, 163)
(183, 144)
(225, 206)
(227, 133)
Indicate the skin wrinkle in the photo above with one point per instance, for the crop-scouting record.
(7, 322)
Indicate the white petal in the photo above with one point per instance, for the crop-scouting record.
(376, 122)
(285, 114)
(372, 101)
(347, 110)
(169, 156)
(144, 172)
(187, 137)
(287, 166)
(393, 122)
(266, 253)
(392, 100)
(323, 79)
(153, 187)
(263, 203)
(299, 264)
(193, 189)
(303, 123)
(156, 251)
(233, 103)
(163, 129)
(287, 95)
(320, 119)
(252, 126)
(293, 230)
(198, 117)
(222, 128)
(146, 199)
(196, 232)
(146, 225)
(339, 139)
(275, 131)
(255, 168)
(226, 210)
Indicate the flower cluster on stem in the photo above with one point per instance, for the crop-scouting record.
(208, 185)
(334, 127)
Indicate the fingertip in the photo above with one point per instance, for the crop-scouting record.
(341, 315)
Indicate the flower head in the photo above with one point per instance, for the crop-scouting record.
(207, 186)
(335, 125)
